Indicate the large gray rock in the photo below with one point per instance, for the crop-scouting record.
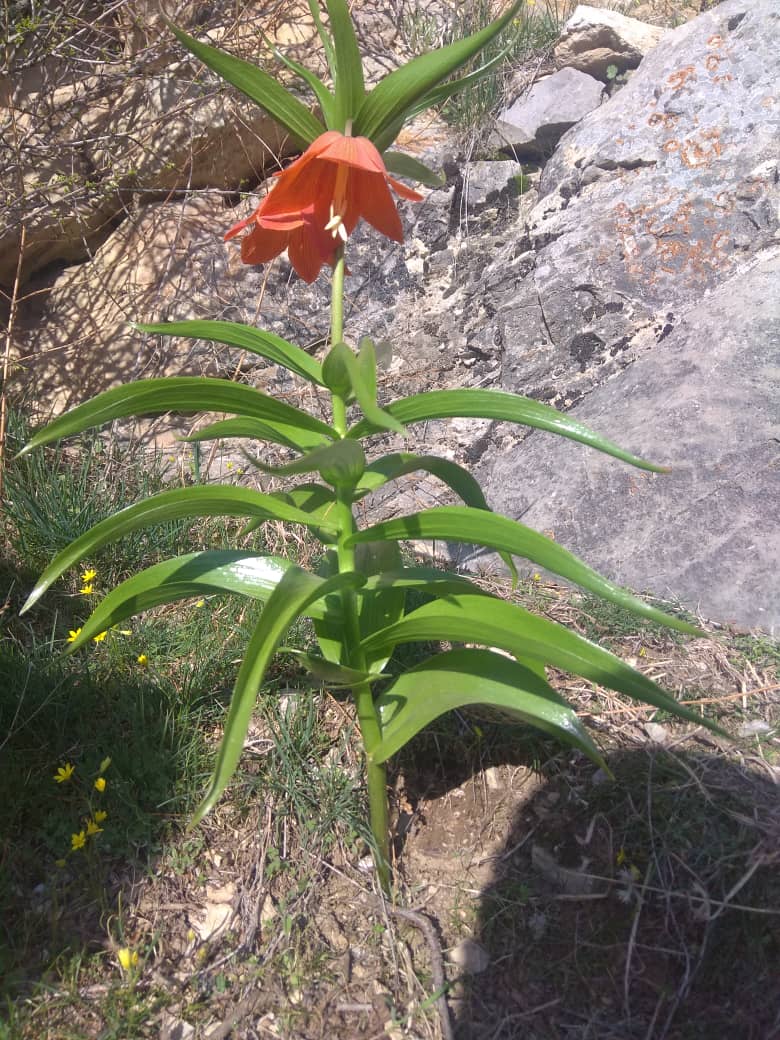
(706, 402)
(534, 124)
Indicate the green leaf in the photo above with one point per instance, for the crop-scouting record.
(162, 508)
(396, 95)
(246, 337)
(326, 100)
(366, 359)
(391, 467)
(258, 86)
(457, 86)
(457, 678)
(295, 592)
(496, 623)
(340, 463)
(348, 84)
(328, 630)
(324, 35)
(429, 580)
(175, 394)
(477, 527)
(342, 371)
(195, 574)
(256, 429)
(382, 605)
(498, 404)
(336, 675)
(407, 166)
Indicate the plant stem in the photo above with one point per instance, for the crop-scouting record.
(368, 718)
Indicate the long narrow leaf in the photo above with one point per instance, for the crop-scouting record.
(258, 86)
(477, 527)
(246, 337)
(291, 597)
(195, 574)
(326, 100)
(175, 394)
(407, 166)
(466, 403)
(457, 678)
(348, 78)
(162, 508)
(496, 623)
(257, 429)
(395, 95)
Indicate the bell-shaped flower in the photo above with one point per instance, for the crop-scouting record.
(318, 201)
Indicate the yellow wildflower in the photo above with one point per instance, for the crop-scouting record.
(201, 603)
(536, 577)
(92, 828)
(64, 773)
(87, 590)
(59, 863)
(100, 784)
(142, 660)
(100, 637)
(128, 959)
(73, 635)
(620, 859)
(89, 576)
(78, 841)
(100, 816)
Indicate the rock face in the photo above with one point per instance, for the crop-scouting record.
(595, 38)
(533, 125)
(707, 401)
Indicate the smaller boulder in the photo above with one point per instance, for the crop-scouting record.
(594, 38)
(533, 125)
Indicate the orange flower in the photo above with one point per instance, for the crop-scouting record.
(317, 203)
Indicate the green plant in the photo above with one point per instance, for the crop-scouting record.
(357, 598)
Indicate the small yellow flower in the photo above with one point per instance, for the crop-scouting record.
(105, 764)
(92, 828)
(89, 576)
(59, 863)
(73, 635)
(201, 603)
(100, 784)
(64, 773)
(142, 660)
(228, 465)
(620, 859)
(642, 652)
(536, 577)
(128, 959)
(87, 590)
(100, 637)
(100, 816)
(78, 841)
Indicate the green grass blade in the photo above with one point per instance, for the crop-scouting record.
(326, 100)
(258, 86)
(477, 527)
(246, 337)
(175, 394)
(349, 88)
(325, 671)
(498, 404)
(457, 678)
(194, 574)
(292, 596)
(395, 95)
(497, 623)
(167, 506)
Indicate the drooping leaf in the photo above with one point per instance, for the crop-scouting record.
(324, 671)
(339, 463)
(349, 89)
(407, 166)
(176, 394)
(343, 372)
(162, 508)
(258, 86)
(382, 605)
(326, 100)
(256, 429)
(246, 337)
(467, 403)
(496, 623)
(294, 593)
(396, 95)
(457, 678)
(195, 574)
(477, 527)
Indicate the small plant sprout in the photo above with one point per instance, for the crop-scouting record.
(499, 652)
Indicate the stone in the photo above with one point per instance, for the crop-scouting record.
(706, 401)
(532, 126)
(470, 956)
(595, 38)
